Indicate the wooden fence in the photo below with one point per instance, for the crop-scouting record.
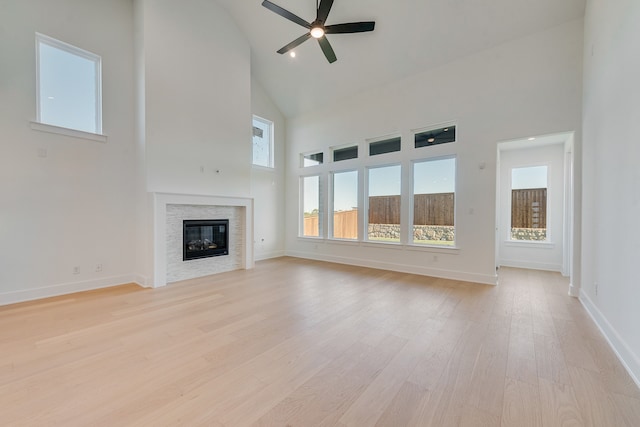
(529, 208)
(345, 224)
(428, 209)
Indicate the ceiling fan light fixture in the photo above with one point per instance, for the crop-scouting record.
(317, 32)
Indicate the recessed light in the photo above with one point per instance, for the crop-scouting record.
(531, 139)
(446, 129)
(292, 54)
(50, 97)
(431, 140)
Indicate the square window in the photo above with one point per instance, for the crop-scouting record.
(262, 142)
(68, 86)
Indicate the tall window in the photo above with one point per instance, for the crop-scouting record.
(312, 216)
(384, 203)
(434, 186)
(529, 203)
(345, 205)
(68, 86)
(262, 142)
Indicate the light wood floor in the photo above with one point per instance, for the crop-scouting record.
(302, 343)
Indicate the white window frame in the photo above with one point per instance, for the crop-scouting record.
(332, 175)
(269, 123)
(412, 202)
(310, 153)
(321, 212)
(547, 240)
(52, 127)
(366, 204)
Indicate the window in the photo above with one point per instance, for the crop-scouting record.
(313, 159)
(312, 216)
(345, 205)
(262, 142)
(529, 203)
(384, 203)
(345, 153)
(434, 183)
(435, 137)
(68, 86)
(386, 146)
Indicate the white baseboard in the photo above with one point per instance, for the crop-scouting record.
(268, 255)
(627, 357)
(142, 281)
(531, 265)
(486, 279)
(574, 291)
(64, 289)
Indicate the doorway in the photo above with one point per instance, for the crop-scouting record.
(534, 200)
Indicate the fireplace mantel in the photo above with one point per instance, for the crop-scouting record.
(160, 203)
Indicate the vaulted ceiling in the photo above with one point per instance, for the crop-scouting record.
(410, 36)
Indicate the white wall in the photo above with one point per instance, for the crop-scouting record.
(530, 86)
(193, 108)
(546, 255)
(72, 207)
(267, 185)
(197, 99)
(611, 199)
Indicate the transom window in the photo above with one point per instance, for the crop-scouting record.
(345, 153)
(68, 86)
(435, 136)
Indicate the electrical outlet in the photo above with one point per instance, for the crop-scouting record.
(98, 268)
(76, 270)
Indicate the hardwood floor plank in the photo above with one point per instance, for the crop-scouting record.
(559, 405)
(401, 410)
(308, 343)
(521, 404)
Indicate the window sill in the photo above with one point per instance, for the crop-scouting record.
(311, 238)
(263, 168)
(434, 249)
(43, 127)
(452, 250)
(530, 244)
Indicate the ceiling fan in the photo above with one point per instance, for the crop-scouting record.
(317, 29)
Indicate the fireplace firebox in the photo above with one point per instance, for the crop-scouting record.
(205, 238)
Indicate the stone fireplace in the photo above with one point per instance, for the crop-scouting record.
(172, 212)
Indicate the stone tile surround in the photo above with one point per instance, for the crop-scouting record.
(177, 269)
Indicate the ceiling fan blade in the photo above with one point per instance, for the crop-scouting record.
(323, 10)
(352, 27)
(297, 42)
(327, 50)
(285, 14)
